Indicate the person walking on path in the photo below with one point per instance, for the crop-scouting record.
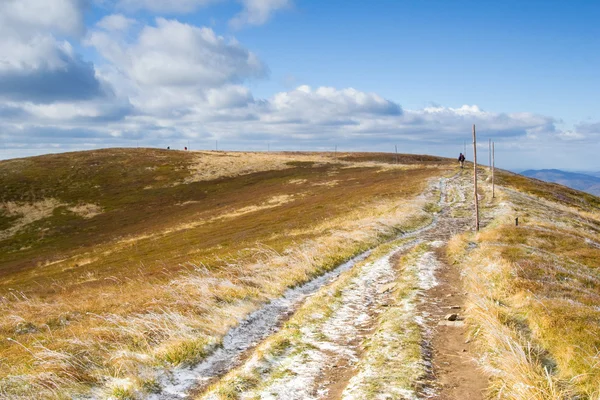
(461, 160)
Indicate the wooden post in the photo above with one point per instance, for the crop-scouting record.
(396, 154)
(475, 179)
(335, 152)
(490, 153)
(493, 168)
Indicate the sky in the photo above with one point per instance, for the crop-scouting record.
(304, 75)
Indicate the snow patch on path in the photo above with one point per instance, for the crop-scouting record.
(401, 329)
(253, 329)
(336, 340)
(426, 268)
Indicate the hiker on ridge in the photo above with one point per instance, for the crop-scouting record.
(461, 160)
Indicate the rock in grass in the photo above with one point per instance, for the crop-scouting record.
(451, 317)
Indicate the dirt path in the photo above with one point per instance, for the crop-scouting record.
(454, 372)
(328, 357)
(243, 338)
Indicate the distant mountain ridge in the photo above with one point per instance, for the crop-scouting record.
(575, 180)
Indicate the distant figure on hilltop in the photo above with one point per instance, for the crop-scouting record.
(461, 160)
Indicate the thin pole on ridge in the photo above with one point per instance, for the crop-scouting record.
(493, 168)
(475, 179)
(490, 153)
(396, 154)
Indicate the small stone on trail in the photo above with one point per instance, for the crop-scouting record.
(451, 317)
(454, 307)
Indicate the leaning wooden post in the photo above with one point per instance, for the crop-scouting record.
(475, 179)
(493, 168)
(396, 154)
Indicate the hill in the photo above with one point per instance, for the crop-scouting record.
(584, 182)
(155, 274)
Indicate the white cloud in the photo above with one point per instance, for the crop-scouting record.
(29, 17)
(173, 54)
(36, 53)
(447, 119)
(116, 22)
(37, 65)
(258, 12)
(327, 104)
(171, 81)
(570, 135)
(231, 96)
(585, 130)
(66, 112)
(163, 6)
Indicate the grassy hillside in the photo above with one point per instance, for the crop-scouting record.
(118, 264)
(535, 289)
(120, 260)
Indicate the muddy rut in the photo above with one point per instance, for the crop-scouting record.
(331, 368)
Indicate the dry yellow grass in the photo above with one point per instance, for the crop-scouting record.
(210, 165)
(535, 296)
(86, 210)
(27, 213)
(113, 313)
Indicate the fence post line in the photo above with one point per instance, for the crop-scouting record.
(475, 179)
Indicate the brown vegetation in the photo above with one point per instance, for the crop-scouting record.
(170, 263)
(535, 290)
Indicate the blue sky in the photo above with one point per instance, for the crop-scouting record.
(306, 75)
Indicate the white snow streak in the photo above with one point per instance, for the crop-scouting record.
(358, 300)
(256, 327)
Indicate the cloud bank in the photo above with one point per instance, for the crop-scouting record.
(161, 81)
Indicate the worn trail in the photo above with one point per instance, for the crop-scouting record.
(325, 361)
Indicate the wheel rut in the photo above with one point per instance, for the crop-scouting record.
(327, 357)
